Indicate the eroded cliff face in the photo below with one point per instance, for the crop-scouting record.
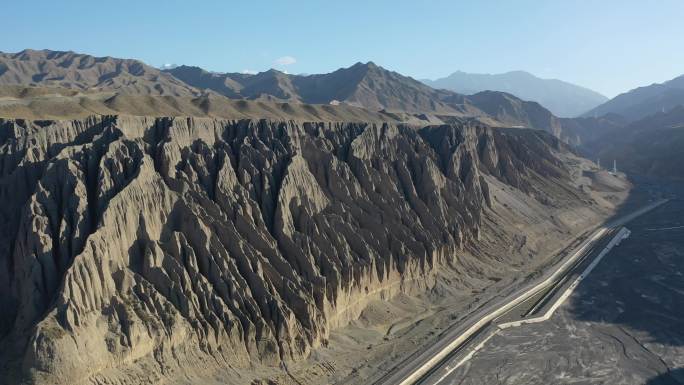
(245, 241)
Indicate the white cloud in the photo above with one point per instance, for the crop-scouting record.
(285, 61)
(249, 72)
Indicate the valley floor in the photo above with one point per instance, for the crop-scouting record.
(623, 325)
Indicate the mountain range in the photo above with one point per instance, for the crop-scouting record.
(563, 99)
(84, 72)
(370, 86)
(54, 84)
(363, 85)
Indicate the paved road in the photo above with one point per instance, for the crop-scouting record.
(456, 342)
(540, 309)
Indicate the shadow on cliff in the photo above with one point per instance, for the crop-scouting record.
(639, 285)
(673, 377)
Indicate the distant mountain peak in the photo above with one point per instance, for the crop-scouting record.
(562, 98)
(273, 71)
(523, 73)
(369, 64)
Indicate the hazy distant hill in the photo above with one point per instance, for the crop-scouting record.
(47, 68)
(650, 146)
(586, 133)
(644, 101)
(562, 98)
(652, 137)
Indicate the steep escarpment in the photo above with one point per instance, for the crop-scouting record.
(132, 241)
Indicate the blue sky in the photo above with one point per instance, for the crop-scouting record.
(607, 45)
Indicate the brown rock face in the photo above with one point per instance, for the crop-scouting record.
(178, 238)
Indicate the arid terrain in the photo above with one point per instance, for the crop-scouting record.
(139, 243)
(182, 226)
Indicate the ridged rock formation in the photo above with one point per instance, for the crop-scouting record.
(246, 241)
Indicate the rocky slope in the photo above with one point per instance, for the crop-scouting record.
(511, 111)
(644, 101)
(47, 68)
(563, 99)
(587, 133)
(133, 247)
(649, 147)
(641, 129)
